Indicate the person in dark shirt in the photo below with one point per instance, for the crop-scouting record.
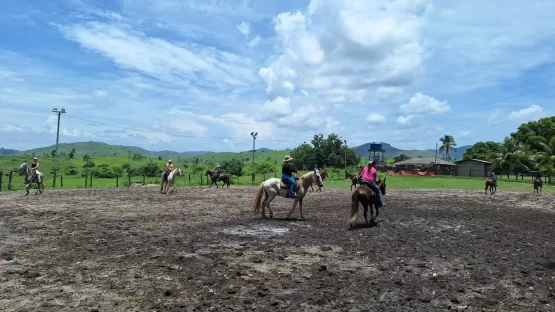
(287, 175)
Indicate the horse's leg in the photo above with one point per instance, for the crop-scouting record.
(377, 212)
(301, 208)
(365, 205)
(293, 208)
(270, 198)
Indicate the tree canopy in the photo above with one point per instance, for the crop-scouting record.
(322, 152)
(447, 145)
(482, 150)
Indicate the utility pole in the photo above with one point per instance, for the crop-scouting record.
(435, 160)
(254, 135)
(345, 141)
(59, 113)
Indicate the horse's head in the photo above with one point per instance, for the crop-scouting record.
(23, 167)
(179, 172)
(381, 185)
(208, 172)
(318, 178)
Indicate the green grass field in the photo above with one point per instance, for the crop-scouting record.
(335, 180)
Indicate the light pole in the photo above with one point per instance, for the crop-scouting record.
(345, 141)
(253, 134)
(59, 113)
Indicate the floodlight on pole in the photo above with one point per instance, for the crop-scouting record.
(345, 141)
(58, 112)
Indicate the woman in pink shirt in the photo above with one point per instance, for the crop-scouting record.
(369, 177)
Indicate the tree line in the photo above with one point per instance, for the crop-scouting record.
(530, 148)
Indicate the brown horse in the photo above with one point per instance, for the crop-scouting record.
(491, 184)
(226, 178)
(355, 179)
(324, 175)
(538, 185)
(363, 194)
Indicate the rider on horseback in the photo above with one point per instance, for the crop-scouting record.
(169, 169)
(218, 172)
(369, 177)
(492, 176)
(34, 168)
(287, 175)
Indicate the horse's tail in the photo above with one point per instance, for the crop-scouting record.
(354, 205)
(258, 198)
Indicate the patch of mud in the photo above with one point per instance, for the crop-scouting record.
(255, 230)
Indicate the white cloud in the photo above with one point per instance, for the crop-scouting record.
(465, 133)
(376, 118)
(422, 104)
(409, 121)
(100, 93)
(244, 28)
(528, 113)
(172, 62)
(254, 42)
(348, 47)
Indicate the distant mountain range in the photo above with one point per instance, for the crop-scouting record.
(103, 149)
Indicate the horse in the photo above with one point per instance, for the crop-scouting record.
(492, 188)
(354, 179)
(170, 180)
(38, 178)
(538, 185)
(363, 194)
(223, 177)
(324, 175)
(274, 186)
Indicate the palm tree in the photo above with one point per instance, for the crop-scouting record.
(512, 157)
(545, 157)
(447, 144)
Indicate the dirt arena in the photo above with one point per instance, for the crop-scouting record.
(202, 249)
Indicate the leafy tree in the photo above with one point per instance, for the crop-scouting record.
(322, 152)
(265, 167)
(234, 167)
(529, 134)
(71, 171)
(151, 169)
(400, 157)
(482, 150)
(447, 145)
(511, 157)
(53, 153)
(545, 158)
(72, 153)
(86, 157)
(89, 164)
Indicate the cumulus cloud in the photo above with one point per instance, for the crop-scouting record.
(423, 104)
(409, 121)
(376, 118)
(348, 47)
(228, 143)
(530, 112)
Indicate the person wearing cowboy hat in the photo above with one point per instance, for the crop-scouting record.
(218, 171)
(34, 169)
(169, 169)
(369, 177)
(287, 175)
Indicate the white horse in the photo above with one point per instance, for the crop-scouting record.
(274, 187)
(38, 178)
(170, 181)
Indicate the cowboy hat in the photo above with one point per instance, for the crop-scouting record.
(287, 158)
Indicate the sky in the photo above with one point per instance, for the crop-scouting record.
(188, 75)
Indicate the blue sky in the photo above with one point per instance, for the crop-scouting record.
(203, 74)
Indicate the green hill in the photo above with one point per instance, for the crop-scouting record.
(84, 148)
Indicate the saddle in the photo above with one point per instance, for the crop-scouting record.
(285, 186)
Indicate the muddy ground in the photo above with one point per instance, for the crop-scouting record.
(202, 249)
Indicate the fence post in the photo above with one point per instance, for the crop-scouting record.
(1, 174)
(86, 178)
(144, 178)
(201, 180)
(10, 181)
(117, 180)
(129, 177)
(189, 178)
(61, 180)
(253, 178)
(90, 185)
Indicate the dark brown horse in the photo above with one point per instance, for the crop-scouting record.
(225, 178)
(324, 175)
(355, 179)
(491, 184)
(363, 194)
(538, 185)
